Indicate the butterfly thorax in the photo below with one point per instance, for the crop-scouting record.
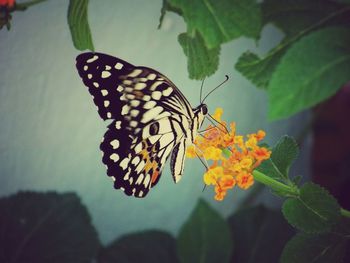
(197, 121)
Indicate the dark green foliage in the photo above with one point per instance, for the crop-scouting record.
(325, 248)
(205, 237)
(259, 235)
(283, 154)
(46, 227)
(149, 246)
(313, 211)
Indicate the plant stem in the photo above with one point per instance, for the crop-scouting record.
(345, 212)
(275, 185)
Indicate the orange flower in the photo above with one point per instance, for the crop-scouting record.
(244, 180)
(262, 153)
(233, 157)
(7, 3)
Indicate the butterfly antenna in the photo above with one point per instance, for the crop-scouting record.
(200, 95)
(222, 83)
(217, 122)
(204, 187)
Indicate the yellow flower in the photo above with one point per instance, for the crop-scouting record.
(218, 113)
(191, 151)
(212, 175)
(246, 163)
(212, 153)
(232, 156)
(244, 180)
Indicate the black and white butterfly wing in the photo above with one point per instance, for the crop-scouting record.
(150, 119)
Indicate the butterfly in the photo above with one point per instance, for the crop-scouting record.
(151, 121)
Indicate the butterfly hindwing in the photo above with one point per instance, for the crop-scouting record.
(150, 118)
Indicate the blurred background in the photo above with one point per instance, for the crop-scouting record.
(50, 130)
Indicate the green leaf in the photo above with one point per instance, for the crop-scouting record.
(201, 62)
(251, 231)
(79, 25)
(259, 70)
(220, 21)
(46, 227)
(283, 154)
(314, 211)
(149, 246)
(296, 18)
(309, 73)
(324, 248)
(205, 237)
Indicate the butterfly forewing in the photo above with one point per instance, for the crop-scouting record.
(150, 117)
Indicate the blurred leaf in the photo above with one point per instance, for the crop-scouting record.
(283, 154)
(205, 237)
(46, 227)
(309, 73)
(296, 18)
(149, 246)
(220, 21)
(201, 62)
(314, 211)
(79, 25)
(324, 248)
(252, 230)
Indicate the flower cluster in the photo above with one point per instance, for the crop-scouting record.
(233, 157)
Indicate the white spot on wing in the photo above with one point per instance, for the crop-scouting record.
(138, 148)
(120, 88)
(146, 181)
(95, 84)
(118, 66)
(151, 114)
(151, 76)
(149, 105)
(135, 73)
(156, 95)
(167, 91)
(105, 74)
(89, 76)
(136, 160)
(114, 157)
(134, 112)
(115, 144)
(118, 125)
(135, 103)
(92, 59)
(124, 164)
(104, 92)
(125, 109)
(106, 103)
(86, 68)
(140, 86)
(109, 115)
(139, 179)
